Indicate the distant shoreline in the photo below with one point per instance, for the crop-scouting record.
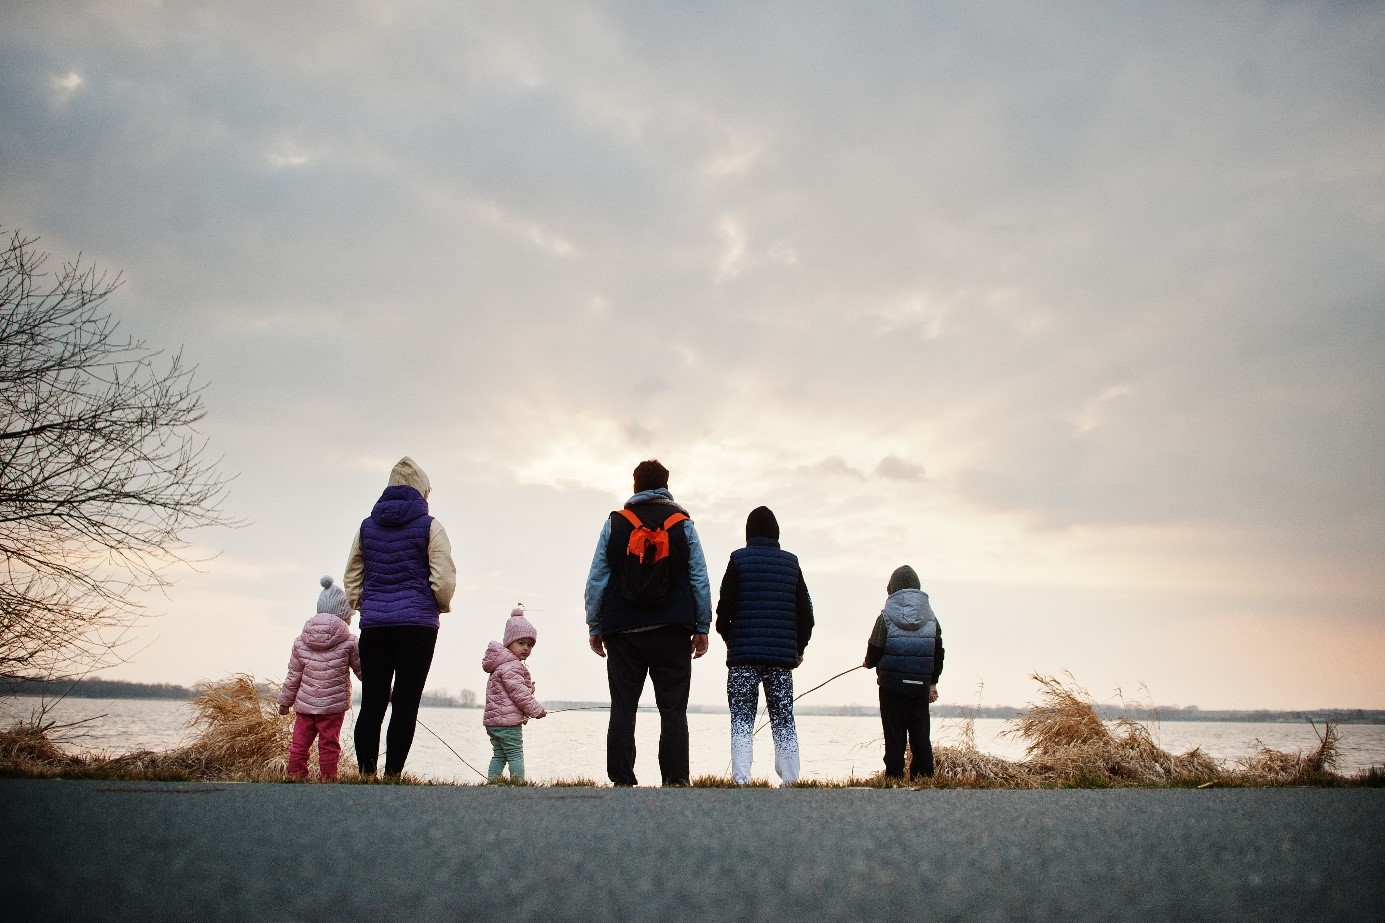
(120, 689)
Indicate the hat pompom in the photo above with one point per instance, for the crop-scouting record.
(517, 626)
(333, 599)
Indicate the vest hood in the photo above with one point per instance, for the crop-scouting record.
(398, 505)
(324, 631)
(908, 609)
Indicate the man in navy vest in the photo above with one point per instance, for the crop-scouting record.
(641, 636)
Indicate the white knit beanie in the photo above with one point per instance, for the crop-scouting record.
(517, 626)
(333, 599)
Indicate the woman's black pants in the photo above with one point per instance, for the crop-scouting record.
(393, 657)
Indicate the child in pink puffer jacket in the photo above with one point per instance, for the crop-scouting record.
(510, 698)
(318, 685)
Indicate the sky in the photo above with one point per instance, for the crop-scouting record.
(1079, 309)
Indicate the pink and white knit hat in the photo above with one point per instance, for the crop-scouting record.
(517, 626)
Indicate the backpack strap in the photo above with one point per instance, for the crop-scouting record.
(669, 523)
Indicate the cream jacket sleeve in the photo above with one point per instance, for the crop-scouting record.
(355, 573)
(442, 573)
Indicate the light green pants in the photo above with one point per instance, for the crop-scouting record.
(507, 744)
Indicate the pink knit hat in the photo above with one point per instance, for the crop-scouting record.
(517, 626)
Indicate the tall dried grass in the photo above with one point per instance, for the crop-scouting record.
(241, 737)
(1066, 741)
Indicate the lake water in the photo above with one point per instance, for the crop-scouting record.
(572, 744)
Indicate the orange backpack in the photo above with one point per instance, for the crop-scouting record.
(644, 576)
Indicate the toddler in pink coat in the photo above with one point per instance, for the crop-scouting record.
(510, 698)
(318, 685)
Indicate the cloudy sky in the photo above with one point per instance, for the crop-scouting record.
(1077, 308)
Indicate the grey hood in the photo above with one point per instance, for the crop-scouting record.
(908, 609)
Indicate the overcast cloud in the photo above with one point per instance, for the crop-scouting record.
(1080, 311)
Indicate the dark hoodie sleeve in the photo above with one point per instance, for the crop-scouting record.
(875, 647)
(726, 603)
(805, 614)
(938, 654)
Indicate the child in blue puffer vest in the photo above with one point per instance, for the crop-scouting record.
(906, 650)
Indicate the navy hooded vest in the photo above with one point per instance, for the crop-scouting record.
(679, 607)
(396, 589)
(911, 637)
(765, 630)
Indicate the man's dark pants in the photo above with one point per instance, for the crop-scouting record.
(906, 716)
(397, 656)
(664, 654)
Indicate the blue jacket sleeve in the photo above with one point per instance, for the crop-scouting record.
(597, 578)
(697, 575)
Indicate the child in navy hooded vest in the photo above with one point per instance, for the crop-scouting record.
(906, 649)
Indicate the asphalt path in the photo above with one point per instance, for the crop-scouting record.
(84, 850)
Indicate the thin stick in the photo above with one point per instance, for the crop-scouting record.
(815, 689)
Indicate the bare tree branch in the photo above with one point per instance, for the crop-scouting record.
(102, 469)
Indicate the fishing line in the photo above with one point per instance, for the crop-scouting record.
(454, 752)
(558, 711)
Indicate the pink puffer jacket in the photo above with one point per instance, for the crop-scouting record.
(320, 667)
(510, 690)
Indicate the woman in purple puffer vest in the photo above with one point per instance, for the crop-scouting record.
(400, 576)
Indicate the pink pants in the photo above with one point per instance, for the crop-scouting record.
(305, 728)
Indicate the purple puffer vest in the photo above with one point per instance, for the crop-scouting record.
(396, 589)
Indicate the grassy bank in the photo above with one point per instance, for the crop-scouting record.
(242, 738)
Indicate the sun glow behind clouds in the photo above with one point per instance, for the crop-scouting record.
(66, 85)
(993, 320)
(845, 496)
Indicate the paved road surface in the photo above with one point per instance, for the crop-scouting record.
(136, 851)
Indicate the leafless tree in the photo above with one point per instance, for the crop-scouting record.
(102, 472)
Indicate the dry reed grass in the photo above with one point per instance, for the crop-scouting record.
(27, 751)
(241, 737)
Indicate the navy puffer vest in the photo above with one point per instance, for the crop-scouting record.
(911, 637)
(765, 630)
(679, 607)
(396, 589)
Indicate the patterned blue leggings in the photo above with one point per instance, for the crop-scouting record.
(743, 695)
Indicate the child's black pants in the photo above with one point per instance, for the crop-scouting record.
(904, 717)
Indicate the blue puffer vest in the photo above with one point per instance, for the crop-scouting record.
(679, 608)
(765, 630)
(396, 589)
(911, 636)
